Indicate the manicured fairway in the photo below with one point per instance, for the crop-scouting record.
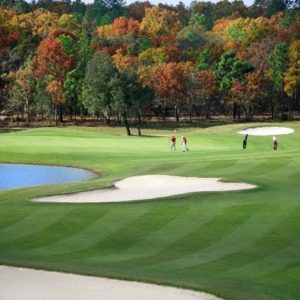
(238, 245)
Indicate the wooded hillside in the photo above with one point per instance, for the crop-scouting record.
(62, 60)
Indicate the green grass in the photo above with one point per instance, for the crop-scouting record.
(239, 245)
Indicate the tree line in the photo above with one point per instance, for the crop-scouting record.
(123, 63)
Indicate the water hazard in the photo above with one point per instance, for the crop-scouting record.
(14, 176)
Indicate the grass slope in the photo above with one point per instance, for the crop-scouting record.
(239, 245)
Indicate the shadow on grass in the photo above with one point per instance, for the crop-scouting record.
(10, 130)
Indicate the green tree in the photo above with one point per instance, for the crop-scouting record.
(96, 93)
(229, 70)
(278, 61)
(74, 79)
(78, 9)
(22, 6)
(191, 38)
(130, 98)
(202, 20)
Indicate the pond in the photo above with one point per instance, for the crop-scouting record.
(14, 176)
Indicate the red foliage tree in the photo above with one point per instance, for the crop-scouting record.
(8, 39)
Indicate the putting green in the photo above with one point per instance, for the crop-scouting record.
(238, 245)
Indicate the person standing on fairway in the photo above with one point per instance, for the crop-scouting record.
(173, 143)
(184, 144)
(245, 141)
(275, 143)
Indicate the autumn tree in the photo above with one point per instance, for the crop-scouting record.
(153, 55)
(168, 82)
(53, 64)
(201, 86)
(248, 92)
(123, 61)
(292, 75)
(136, 10)
(159, 22)
(120, 26)
(22, 92)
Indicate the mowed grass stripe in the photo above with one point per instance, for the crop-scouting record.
(121, 240)
(110, 222)
(72, 222)
(9, 217)
(156, 241)
(34, 222)
(202, 236)
(243, 236)
(262, 251)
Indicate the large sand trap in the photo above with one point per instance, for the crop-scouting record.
(148, 187)
(264, 131)
(28, 284)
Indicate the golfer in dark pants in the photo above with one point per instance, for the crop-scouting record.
(245, 141)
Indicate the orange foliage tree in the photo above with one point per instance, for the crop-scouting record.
(120, 26)
(168, 82)
(52, 64)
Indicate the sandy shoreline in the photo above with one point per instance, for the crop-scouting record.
(146, 188)
(30, 284)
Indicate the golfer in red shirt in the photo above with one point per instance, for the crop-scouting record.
(173, 143)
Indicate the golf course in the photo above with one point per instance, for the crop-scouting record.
(234, 244)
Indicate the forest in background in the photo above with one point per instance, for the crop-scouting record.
(128, 64)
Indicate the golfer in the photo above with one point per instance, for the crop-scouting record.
(275, 143)
(184, 144)
(245, 141)
(173, 143)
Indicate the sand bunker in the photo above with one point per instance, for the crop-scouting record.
(28, 284)
(265, 131)
(148, 187)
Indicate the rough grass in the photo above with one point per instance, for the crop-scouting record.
(239, 245)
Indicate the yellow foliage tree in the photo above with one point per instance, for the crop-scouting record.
(159, 21)
(292, 76)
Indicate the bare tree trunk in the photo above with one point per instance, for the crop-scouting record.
(272, 108)
(164, 112)
(126, 124)
(138, 126)
(207, 109)
(177, 113)
(61, 113)
(190, 112)
(234, 111)
(56, 122)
